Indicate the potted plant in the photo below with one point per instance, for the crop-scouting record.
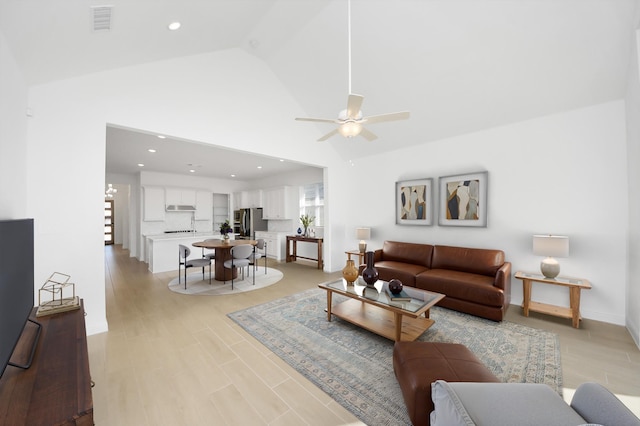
(306, 221)
(225, 230)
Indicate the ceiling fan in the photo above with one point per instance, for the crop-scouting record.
(350, 121)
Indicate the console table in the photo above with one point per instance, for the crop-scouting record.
(56, 389)
(291, 257)
(574, 285)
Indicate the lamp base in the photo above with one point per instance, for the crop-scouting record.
(363, 247)
(550, 267)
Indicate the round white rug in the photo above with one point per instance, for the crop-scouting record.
(196, 286)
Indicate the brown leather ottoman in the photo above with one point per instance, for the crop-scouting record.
(418, 364)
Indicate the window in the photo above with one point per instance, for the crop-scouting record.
(312, 202)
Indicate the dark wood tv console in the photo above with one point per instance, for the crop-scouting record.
(56, 389)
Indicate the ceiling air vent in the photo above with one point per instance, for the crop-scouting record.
(101, 17)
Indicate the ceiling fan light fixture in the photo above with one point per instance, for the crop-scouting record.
(350, 129)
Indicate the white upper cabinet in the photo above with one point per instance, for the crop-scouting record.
(204, 205)
(280, 203)
(153, 204)
(179, 196)
(248, 199)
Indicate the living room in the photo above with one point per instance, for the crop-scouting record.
(567, 170)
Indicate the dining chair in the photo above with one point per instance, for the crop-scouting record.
(257, 255)
(240, 255)
(183, 261)
(210, 255)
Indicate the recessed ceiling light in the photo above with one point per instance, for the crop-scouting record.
(174, 26)
(233, 175)
(140, 165)
(161, 136)
(192, 171)
(282, 160)
(151, 150)
(259, 167)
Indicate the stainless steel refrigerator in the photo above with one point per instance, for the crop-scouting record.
(251, 221)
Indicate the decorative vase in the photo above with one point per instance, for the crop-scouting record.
(306, 232)
(350, 272)
(370, 273)
(395, 286)
(299, 231)
(226, 239)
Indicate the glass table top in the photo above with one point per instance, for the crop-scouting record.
(380, 294)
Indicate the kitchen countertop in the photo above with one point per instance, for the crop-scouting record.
(182, 235)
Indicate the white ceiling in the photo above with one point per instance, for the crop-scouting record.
(459, 66)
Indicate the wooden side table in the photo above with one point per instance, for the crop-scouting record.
(291, 257)
(358, 253)
(574, 285)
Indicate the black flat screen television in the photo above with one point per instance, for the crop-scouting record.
(16, 283)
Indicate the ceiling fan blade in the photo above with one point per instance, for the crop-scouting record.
(387, 117)
(353, 105)
(319, 120)
(368, 135)
(328, 135)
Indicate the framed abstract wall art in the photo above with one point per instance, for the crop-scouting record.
(463, 200)
(414, 202)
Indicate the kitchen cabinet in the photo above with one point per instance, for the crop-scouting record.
(275, 243)
(248, 199)
(204, 205)
(280, 203)
(154, 207)
(220, 210)
(180, 196)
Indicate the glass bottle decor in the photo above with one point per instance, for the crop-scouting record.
(350, 272)
(370, 273)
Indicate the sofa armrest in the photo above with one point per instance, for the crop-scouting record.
(377, 255)
(597, 404)
(503, 278)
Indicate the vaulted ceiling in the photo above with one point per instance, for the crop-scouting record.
(458, 66)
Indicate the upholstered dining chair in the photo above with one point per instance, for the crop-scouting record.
(240, 255)
(212, 254)
(257, 255)
(183, 261)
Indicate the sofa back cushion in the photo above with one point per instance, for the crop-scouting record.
(475, 261)
(417, 254)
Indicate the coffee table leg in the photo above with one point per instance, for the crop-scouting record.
(329, 294)
(398, 318)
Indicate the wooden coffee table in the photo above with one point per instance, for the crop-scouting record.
(374, 311)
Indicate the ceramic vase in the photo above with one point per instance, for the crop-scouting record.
(350, 272)
(370, 273)
(226, 239)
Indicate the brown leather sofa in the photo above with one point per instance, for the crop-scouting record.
(475, 281)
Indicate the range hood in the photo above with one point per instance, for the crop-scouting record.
(180, 208)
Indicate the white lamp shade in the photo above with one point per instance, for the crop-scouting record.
(363, 233)
(551, 245)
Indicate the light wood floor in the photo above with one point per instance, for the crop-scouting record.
(171, 359)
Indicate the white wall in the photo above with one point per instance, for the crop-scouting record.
(633, 160)
(13, 137)
(196, 98)
(563, 174)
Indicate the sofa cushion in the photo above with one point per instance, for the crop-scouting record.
(501, 404)
(405, 272)
(475, 261)
(417, 254)
(461, 285)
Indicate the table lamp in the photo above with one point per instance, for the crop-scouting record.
(363, 234)
(550, 246)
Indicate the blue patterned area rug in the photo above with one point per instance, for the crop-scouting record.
(355, 367)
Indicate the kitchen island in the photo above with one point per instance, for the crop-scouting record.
(162, 249)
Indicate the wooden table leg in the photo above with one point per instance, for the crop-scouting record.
(398, 318)
(526, 296)
(320, 261)
(574, 302)
(329, 294)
